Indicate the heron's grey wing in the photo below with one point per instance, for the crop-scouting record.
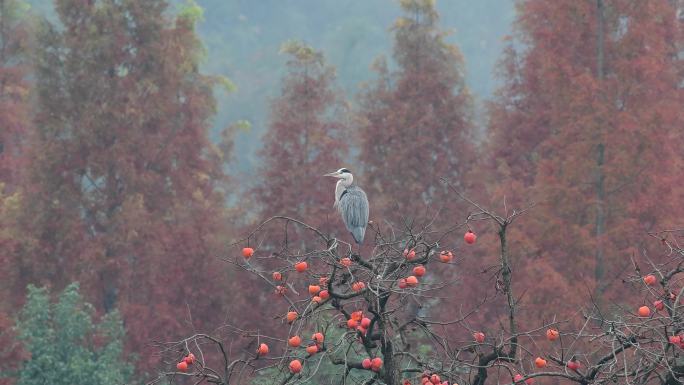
(354, 209)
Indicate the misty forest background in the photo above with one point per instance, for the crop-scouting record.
(138, 139)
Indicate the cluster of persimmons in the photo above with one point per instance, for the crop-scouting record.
(357, 321)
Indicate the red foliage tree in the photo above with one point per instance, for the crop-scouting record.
(14, 123)
(588, 125)
(415, 122)
(123, 189)
(306, 138)
(14, 89)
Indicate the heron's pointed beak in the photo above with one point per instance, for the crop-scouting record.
(333, 174)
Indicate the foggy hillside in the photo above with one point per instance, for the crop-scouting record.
(243, 39)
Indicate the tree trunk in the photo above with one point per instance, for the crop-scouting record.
(392, 375)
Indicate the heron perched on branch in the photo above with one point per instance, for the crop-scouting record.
(352, 204)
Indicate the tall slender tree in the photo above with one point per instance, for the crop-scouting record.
(123, 181)
(14, 123)
(415, 125)
(307, 137)
(588, 125)
(14, 37)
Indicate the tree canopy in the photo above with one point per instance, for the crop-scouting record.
(66, 345)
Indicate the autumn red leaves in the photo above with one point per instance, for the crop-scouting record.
(533, 151)
(134, 195)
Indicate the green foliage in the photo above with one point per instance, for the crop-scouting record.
(319, 369)
(65, 345)
(14, 9)
(243, 125)
(417, 5)
(191, 12)
(300, 51)
(224, 83)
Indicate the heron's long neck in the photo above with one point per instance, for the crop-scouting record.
(341, 185)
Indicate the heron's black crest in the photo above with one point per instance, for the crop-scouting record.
(343, 170)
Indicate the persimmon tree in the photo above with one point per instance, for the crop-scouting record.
(378, 318)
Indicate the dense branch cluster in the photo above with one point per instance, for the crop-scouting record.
(370, 315)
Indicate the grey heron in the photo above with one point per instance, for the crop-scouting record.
(352, 203)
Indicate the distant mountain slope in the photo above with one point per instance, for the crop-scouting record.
(243, 39)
